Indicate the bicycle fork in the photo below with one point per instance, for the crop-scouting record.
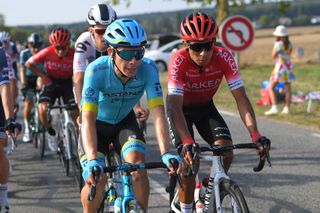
(216, 171)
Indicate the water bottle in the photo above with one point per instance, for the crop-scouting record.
(117, 205)
(198, 201)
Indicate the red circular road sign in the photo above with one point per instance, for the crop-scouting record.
(237, 33)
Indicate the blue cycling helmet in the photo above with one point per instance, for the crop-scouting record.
(125, 32)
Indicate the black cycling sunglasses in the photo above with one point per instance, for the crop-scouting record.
(62, 47)
(100, 31)
(198, 47)
(129, 54)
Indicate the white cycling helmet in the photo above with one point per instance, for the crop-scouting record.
(281, 31)
(101, 14)
(4, 36)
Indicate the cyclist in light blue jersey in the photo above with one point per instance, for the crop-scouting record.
(112, 86)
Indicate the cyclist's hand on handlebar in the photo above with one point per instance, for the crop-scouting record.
(167, 159)
(87, 173)
(189, 152)
(13, 127)
(263, 144)
(142, 114)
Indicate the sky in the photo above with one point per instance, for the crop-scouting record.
(33, 12)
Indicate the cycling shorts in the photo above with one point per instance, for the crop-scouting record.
(118, 134)
(207, 120)
(57, 89)
(30, 87)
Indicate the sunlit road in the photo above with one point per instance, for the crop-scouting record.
(292, 184)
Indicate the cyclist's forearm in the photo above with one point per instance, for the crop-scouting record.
(23, 79)
(36, 70)
(247, 115)
(161, 128)
(78, 85)
(89, 135)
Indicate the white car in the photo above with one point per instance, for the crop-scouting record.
(162, 55)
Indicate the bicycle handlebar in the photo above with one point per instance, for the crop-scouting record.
(127, 167)
(218, 150)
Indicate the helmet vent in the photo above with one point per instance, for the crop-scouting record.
(130, 31)
(120, 32)
(104, 16)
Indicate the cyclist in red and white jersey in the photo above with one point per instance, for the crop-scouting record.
(58, 59)
(194, 76)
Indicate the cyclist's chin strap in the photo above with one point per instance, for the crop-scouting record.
(121, 72)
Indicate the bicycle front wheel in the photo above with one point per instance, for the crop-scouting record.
(232, 199)
(134, 206)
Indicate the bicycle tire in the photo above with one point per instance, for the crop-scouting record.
(134, 206)
(75, 162)
(232, 199)
(112, 159)
(42, 141)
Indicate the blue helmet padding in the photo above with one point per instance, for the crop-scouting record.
(125, 32)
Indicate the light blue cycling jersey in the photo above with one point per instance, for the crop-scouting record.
(104, 93)
(24, 56)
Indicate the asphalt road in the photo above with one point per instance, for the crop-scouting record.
(292, 184)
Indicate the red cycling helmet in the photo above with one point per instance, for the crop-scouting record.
(197, 27)
(60, 36)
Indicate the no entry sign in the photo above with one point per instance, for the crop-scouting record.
(237, 33)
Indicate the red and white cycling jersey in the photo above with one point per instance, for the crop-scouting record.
(57, 68)
(199, 85)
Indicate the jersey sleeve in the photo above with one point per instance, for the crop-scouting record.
(93, 78)
(230, 68)
(23, 58)
(80, 56)
(153, 86)
(175, 74)
(39, 57)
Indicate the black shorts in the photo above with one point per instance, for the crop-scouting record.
(31, 87)
(118, 134)
(207, 120)
(57, 89)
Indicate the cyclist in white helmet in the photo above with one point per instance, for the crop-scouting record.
(11, 57)
(90, 45)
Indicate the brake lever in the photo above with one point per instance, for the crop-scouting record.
(175, 165)
(96, 173)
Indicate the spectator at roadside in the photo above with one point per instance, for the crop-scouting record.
(282, 71)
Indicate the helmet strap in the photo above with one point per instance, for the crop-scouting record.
(121, 72)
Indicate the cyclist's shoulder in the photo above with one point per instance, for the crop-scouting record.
(84, 42)
(25, 53)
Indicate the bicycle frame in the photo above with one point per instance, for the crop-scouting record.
(217, 174)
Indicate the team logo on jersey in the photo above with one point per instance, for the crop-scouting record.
(89, 92)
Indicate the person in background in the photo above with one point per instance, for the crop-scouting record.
(58, 60)
(91, 45)
(282, 71)
(11, 50)
(7, 125)
(29, 80)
